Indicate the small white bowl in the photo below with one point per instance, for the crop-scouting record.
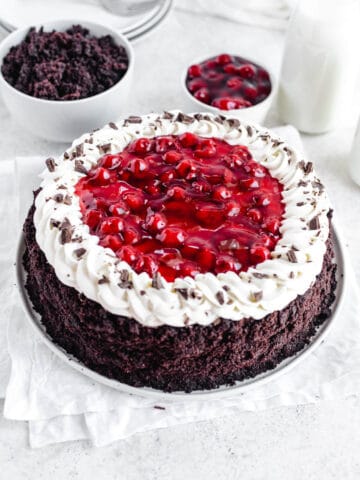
(255, 113)
(64, 120)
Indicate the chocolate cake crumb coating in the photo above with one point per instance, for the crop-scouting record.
(171, 358)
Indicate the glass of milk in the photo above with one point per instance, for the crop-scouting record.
(321, 63)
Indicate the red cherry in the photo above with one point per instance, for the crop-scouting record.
(138, 166)
(189, 269)
(112, 241)
(272, 225)
(206, 258)
(259, 253)
(188, 139)
(226, 263)
(246, 71)
(129, 254)
(110, 161)
(210, 64)
(264, 88)
(221, 193)
(209, 214)
(189, 250)
(206, 148)
(172, 237)
(224, 58)
(167, 176)
(263, 74)
(248, 183)
(185, 167)
(230, 68)
(254, 214)
(250, 92)
(232, 208)
(93, 218)
(101, 176)
(112, 225)
(194, 71)
(118, 209)
(131, 235)
(147, 264)
(153, 187)
(163, 144)
(142, 145)
(172, 156)
(201, 186)
(155, 222)
(203, 95)
(234, 83)
(135, 200)
(177, 193)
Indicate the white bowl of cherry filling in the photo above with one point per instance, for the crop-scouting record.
(229, 85)
(62, 78)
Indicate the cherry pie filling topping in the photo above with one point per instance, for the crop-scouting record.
(228, 82)
(182, 205)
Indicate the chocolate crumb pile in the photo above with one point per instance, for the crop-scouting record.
(64, 65)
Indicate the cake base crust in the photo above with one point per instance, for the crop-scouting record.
(170, 358)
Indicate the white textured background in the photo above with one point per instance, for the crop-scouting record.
(319, 441)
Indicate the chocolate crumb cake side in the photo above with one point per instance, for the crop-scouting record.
(180, 252)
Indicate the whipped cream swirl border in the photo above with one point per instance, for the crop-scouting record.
(80, 262)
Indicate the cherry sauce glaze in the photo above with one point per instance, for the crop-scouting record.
(228, 82)
(182, 205)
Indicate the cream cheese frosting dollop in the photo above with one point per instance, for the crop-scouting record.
(80, 262)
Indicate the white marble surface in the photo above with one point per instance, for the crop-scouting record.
(314, 441)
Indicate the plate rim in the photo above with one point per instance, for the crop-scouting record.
(224, 391)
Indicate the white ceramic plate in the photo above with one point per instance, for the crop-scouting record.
(20, 13)
(224, 391)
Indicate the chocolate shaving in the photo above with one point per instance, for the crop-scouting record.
(226, 288)
(142, 292)
(54, 223)
(260, 275)
(105, 148)
(65, 236)
(67, 200)
(113, 126)
(66, 156)
(103, 280)
(183, 292)
(198, 116)
(220, 297)
(308, 168)
(291, 255)
(186, 320)
(79, 149)
(302, 183)
(79, 252)
(276, 143)
(249, 130)
(125, 279)
(314, 223)
(300, 204)
(168, 115)
(132, 119)
(233, 122)
(159, 408)
(181, 117)
(50, 163)
(257, 296)
(156, 281)
(291, 275)
(79, 167)
(59, 198)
